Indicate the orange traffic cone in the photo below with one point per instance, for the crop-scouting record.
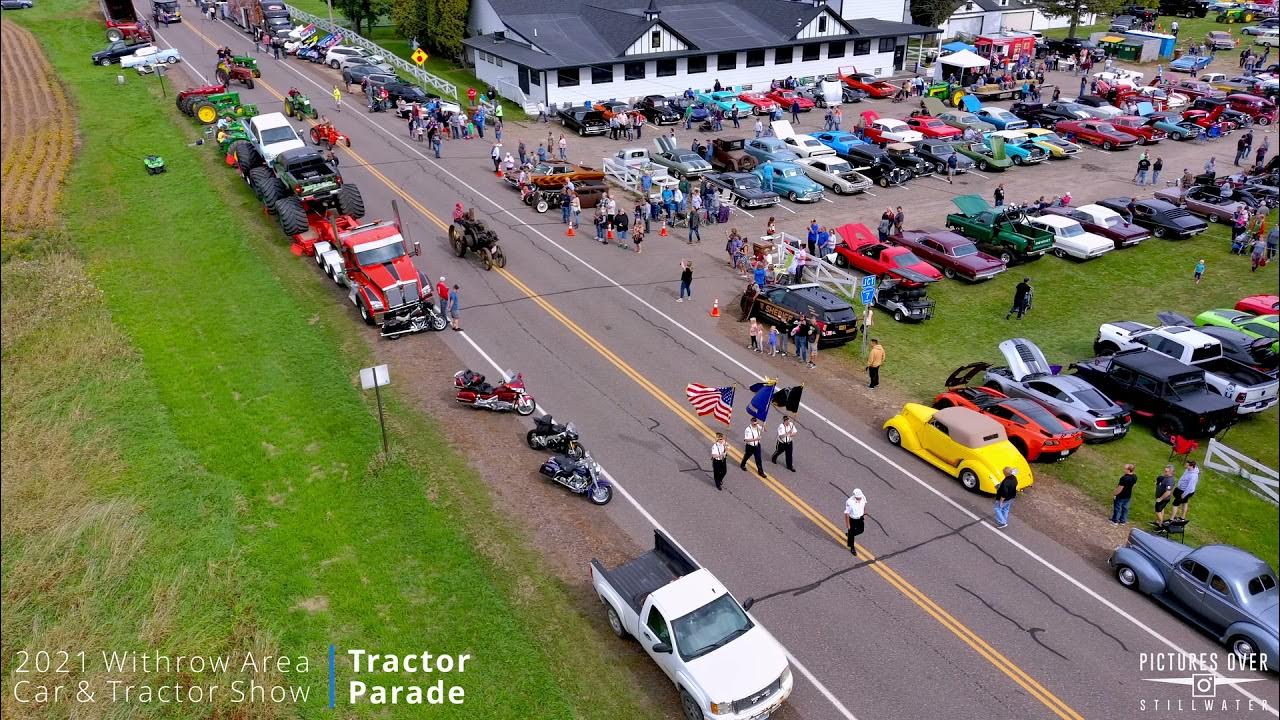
(498, 173)
(609, 233)
(715, 308)
(569, 232)
(663, 233)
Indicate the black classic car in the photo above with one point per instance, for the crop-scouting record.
(116, 50)
(660, 109)
(937, 152)
(876, 164)
(904, 156)
(1163, 219)
(745, 188)
(583, 121)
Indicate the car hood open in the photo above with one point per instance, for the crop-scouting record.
(961, 376)
(1024, 359)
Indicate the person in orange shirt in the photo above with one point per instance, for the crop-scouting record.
(875, 358)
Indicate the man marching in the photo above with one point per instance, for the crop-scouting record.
(786, 437)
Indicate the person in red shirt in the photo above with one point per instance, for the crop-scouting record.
(442, 296)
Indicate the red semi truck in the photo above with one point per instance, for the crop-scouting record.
(123, 22)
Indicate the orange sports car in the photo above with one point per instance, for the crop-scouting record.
(1032, 429)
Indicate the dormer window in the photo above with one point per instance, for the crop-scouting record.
(968, 7)
(655, 39)
(822, 24)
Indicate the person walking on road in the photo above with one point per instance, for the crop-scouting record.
(442, 297)
(786, 438)
(719, 466)
(998, 195)
(1121, 496)
(686, 280)
(751, 445)
(1156, 167)
(1164, 492)
(695, 224)
(1185, 489)
(854, 510)
(455, 317)
(495, 155)
(1144, 164)
(1006, 491)
(952, 163)
(564, 149)
(875, 358)
(1021, 299)
(337, 99)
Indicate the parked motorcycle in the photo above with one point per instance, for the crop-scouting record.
(504, 397)
(548, 435)
(467, 380)
(582, 476)
(416, 319)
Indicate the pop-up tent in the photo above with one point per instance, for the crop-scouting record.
(962, 67)
(957, 46)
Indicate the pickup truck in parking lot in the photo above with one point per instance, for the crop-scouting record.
(1003, 232)
(722, 662)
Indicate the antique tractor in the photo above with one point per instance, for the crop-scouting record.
(209, 103)
(298, 105)
(470, 233)
(228, 71)
(326, 134)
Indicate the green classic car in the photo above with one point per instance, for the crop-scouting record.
(1258, 326)
(986, 158)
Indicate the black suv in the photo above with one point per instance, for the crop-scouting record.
(1184, 8)
(398, 90)
(782, 305)
(1172, 394)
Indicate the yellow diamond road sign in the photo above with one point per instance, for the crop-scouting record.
(419, 56)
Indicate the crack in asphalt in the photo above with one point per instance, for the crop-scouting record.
(1038, 589)
(850, 458)
(653, 428)
(1034, 632)
(662, 330)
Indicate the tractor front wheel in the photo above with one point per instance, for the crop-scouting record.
(248, 82)
(455, 240)
(224, 78)
(288, 108)
(350, 201)
(205, 112)
(293, 216)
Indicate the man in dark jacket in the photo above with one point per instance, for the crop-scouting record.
(1021, 299)
(1006, 491)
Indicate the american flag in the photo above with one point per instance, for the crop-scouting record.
(711, 401)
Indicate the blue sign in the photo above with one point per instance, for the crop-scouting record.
(868, 282)
(868, 296)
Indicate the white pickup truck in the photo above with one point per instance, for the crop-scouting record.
(629, 165)
(1251, 390)
(724, 664)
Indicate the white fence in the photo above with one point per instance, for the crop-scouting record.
(444, 88)
(834, 279)
(1231, 462)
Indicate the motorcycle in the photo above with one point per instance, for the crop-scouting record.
(504, 397)
(415, 319)
(548, 435)
(467, 380)
(582, 476)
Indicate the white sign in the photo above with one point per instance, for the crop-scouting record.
(372, 377)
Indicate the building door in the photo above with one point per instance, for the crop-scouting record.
(899, 56)
(523, 78)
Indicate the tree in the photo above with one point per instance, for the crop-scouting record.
(439, 25)
(1076, 9)
(934, 12)
(363, 12)
(413, 17)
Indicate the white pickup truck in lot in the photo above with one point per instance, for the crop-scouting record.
(723, 663)
(1252, 390)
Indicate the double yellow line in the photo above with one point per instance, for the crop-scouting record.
(969, 637)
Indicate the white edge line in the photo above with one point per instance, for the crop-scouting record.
(1054, 568)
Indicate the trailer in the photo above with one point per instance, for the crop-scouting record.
(630, 165)
(123, 22)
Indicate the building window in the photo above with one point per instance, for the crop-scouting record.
(568, 77)
(696, 64)
(655, 39)
(633, 71)
(886, 45)
(535, 77)
(727, 61)
(835, 49)
(812, 51)
(601, 74)
(782, 56)
(755, 58)
(861, 47)
(497, 61)
(822, 24)
(667, 67)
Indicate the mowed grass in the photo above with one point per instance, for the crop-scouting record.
(190, 467)
(1191, 31)
(1071, 300)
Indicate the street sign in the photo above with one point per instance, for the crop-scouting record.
(372, 377)
(868, 282)
(419, 57)
(868, 296)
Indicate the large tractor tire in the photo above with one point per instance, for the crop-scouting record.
(180, 101)
(268, 187)
(350, 201)
(288, 109)
(224, 77)
(205, 112)
(293, 217)
(114, 34)
(248, 82)
(247, 157)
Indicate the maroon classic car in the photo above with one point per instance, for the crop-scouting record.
(1095, 132)
(1103, 221)
(1138, 127)
(955, 255)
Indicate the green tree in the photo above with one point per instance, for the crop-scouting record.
(363, 13)
(933, 12)
(439, 25)
(1076, 9)
(413, 17)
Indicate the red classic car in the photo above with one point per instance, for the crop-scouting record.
(955, 255)
(867, 83)
(1138, 127)
(1193, 89)
(1031, 428)
(786, 98)
(1095, 132)
(1262, 110)
(859, 248)
(931, 127)
(1259, 304)
(1208, 118)
(1103, 221)
(760, 105)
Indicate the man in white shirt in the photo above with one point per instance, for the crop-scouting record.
(751, 445)
(786, 435)
(854, 510)
(719, 451)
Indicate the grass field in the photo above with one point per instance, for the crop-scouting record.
(1190, 31)
(1071, 301)
(189, 468)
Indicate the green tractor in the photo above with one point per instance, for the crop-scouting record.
(298, 105)
(222, 105)
(1236, 15)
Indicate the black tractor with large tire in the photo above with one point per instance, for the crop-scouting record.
(298, 183)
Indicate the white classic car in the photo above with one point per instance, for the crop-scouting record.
(1070, 239)
(146, 58)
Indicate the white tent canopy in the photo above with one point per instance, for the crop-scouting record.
(964, 59)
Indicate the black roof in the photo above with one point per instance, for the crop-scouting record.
(299, 155)
(1153, 363)
(819, 297)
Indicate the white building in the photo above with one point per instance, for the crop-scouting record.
(978, 17)
(571, 51)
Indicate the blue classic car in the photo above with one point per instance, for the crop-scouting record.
(769, 148)
(1002, 119)
(1220, 589)
(726, 100)
(1187, 63)
(790, 181)
(841, 142)
(1020, 148)
(1172, 124)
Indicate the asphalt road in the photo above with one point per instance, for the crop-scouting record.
(953, 618)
